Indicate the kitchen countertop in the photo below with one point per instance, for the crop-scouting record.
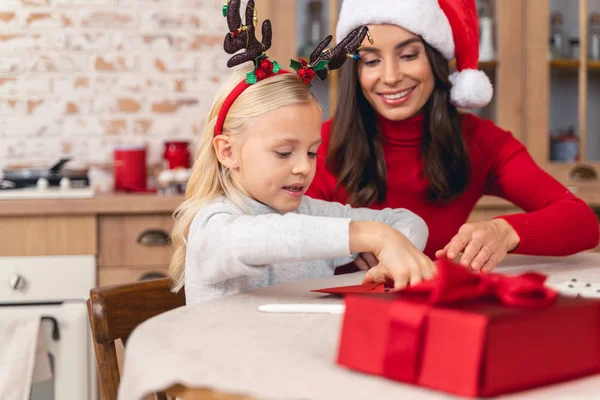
(115, 203)
(99, 204)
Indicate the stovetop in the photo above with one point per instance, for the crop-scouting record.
(55, 176)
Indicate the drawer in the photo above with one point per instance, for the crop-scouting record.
(119, 275)
(135, 240)
(48, 235)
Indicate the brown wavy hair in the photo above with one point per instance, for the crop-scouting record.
(355, 153)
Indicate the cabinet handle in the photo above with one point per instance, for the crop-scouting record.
(154, 238)
(583, 173)
(152, 275)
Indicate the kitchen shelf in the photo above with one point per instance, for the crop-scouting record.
(574, 64)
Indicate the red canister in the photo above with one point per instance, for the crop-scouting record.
(130, 168)
(177, 154)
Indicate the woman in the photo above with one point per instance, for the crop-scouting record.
(397, 140)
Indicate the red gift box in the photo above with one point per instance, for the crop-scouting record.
(472, 334)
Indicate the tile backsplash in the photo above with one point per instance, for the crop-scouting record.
(80, 76)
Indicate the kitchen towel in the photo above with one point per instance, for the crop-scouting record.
(23, 356)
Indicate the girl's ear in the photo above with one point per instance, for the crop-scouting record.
(224, 150)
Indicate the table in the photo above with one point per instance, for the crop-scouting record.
(228, 346)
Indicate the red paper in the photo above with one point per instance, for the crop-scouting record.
(365, 288)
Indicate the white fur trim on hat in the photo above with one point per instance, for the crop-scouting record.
(421, 17)
(471, 89)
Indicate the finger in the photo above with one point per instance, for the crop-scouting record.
(428, 269)
(482, 257)
(370, 259)
(491, 263)
(470, 252)
(416, 274)
(360, 263)
(400, 278)
(434, 268)
(457, 244)
(375, 275)
(369, 278)
(443, 253)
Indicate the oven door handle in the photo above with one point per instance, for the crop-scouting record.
(55, 331)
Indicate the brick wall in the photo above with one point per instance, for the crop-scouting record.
(80, 76)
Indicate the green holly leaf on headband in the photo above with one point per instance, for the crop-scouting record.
(320, 65)
(276, 66)
(296, 65)
(225, 10)
(260, 57)
(251, 78)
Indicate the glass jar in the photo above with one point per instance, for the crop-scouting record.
(559, 47)
(594, 37)
(574, 46)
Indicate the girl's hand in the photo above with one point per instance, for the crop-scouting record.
(399, 262)
(366, 261)
(484, 244)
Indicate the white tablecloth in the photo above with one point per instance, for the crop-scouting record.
(228, 345)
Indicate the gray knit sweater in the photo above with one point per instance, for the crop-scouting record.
(231, 251)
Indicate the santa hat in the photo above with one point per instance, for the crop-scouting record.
(450, 26)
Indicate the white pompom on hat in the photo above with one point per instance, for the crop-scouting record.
(450, 26)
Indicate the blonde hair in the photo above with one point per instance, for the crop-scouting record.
(209, 179)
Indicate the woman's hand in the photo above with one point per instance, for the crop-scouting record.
(398, 259)
(483, 244)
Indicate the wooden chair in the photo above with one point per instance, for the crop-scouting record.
(114, 312)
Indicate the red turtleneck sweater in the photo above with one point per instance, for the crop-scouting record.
(555, 222)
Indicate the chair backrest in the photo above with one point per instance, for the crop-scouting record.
(114, 312)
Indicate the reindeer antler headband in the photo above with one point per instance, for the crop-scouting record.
(243, 37)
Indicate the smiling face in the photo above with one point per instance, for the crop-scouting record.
(394, 73)
(274, 158)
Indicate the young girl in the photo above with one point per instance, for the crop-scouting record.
(246, 223)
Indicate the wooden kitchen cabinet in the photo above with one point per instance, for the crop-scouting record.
(45, 235)
(129, 234)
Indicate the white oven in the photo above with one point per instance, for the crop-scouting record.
(57, 289)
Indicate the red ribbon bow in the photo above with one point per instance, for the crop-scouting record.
(455, 283)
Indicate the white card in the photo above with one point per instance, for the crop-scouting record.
(577, 287)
